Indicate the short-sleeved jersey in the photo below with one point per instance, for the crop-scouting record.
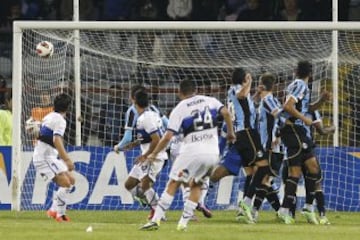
(132, 115)
(267, 123)
(148, 123)
(299, 91)
(196, 116)
(316, 117)
(242, 110)
(52, 124)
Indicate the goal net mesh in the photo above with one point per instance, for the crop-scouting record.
(112, 61)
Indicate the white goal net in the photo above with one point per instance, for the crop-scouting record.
(112, 61)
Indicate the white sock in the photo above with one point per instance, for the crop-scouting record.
(62, 198)
(309, 207)
(137, 191)
(185, 193)
(53, 207)
(151, 197)
(284, 211)
(188, 212)
(204, 190)
(163, 205)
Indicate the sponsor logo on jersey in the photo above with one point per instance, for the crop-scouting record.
(201, 137)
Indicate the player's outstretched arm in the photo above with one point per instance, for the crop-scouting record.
(229, 125)
(161, 144)
(155, 139)
(125, 141)
(59, 145)
(324, 97)
(246, 87)
(328, 130)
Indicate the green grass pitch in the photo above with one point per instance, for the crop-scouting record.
(34, 225)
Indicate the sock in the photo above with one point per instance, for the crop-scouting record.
(204, 190)
(256, 181)
(292, 208)
(163, 205)
(54, 203)
(261, 193)
(310, 194)
(62, 200)
(151, 197)
(273, 198)
(320, 202)
(137, 192)
(246, 184)
(188, 212)
(290, 192)
(185, 193)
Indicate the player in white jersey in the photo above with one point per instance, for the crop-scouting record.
(46, 161)
(128, 142)
(196, 116)
(174, 150)
(148, 130)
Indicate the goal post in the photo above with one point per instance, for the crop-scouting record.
(158, 55)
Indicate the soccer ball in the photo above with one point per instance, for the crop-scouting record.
(45, 49)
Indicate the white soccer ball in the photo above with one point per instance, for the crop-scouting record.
(45, 49)
(89, 229)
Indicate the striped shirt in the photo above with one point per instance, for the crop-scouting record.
(267, 124)
(243, 110)
(300, 92)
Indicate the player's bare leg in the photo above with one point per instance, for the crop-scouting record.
(163, 204)
(65, 181)
(150, 194)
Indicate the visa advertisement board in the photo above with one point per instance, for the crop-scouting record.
(101, 173)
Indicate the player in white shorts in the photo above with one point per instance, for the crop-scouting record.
(174, 151)
(148, 131)
(196, 116)
(47, 149)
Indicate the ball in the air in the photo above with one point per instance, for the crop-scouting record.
(45, 49)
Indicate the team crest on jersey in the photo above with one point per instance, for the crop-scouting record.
(139, 136)
(260, 154)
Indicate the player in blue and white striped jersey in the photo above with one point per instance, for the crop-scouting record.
(131, 116)
(268, 112)
(196, 116)
(248, 143)
(293, 134)
(318, 194)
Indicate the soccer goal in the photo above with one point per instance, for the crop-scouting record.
(97, 63)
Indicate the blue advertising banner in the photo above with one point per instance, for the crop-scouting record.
(5, 177)
(101, 173)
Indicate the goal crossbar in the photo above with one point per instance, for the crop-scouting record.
(256, 25)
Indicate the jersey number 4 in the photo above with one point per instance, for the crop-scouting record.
(202, 121)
